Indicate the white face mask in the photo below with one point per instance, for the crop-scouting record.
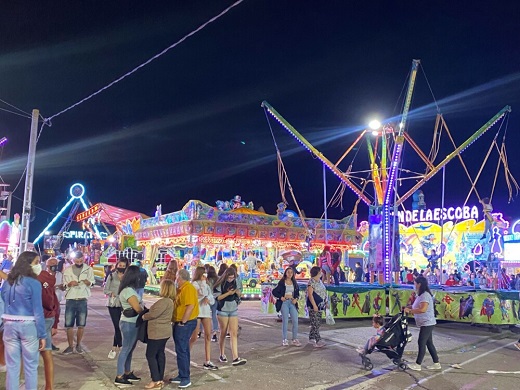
(37, 269)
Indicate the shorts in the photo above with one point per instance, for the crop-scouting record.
(49, 322)
(233, 313)
(326, 268)
(75, 312)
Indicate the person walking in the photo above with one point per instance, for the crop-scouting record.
(111, 290)
(131, 306)
(228, 295)
(24, 322)
(185, 313)
(423, 311)
(159, 319)
(78, 278)
(316, 303)
(206, 299)
(51, 313)
(287, 293)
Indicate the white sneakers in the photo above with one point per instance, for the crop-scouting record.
(112, 354)
(417, 367)
(285, 343)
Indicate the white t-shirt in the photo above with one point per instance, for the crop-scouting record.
(204, 291)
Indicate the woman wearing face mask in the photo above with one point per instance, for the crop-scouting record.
(24, 323)
(114, 305)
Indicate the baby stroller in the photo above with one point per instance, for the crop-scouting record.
(392, 342)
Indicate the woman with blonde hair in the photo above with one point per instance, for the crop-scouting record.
(159, 319)
(206, 299)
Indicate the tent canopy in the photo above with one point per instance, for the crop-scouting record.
(108, 214)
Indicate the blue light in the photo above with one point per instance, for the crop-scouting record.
(77, 190)
(54, 220)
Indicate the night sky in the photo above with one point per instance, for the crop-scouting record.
(190, 126)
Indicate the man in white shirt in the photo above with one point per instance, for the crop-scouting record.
(251, 261)
(78, 279)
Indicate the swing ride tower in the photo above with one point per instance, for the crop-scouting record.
(385, 172)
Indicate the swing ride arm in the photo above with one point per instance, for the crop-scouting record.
(455, 153)
(340, 174)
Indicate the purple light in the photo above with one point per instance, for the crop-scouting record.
(3, 141)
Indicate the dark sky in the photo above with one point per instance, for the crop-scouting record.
(190, 125)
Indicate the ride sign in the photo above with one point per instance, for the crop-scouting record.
(439, 214)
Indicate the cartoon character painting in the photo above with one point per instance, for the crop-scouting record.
(504, 307)
(448, 300)
(377, 302)
(346, 302)
(334, 300)
(466, 307)
(366, 305)
(355, 302)
(397, 302)
(488, 307)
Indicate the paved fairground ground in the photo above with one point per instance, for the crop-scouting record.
(467, 354)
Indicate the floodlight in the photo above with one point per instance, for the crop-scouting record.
(374, 124)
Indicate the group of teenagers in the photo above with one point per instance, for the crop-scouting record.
(187, 305)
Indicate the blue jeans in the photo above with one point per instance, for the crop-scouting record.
(214, 319)
(140, 292)
(124, 361)
(288, 308)
(181, 337)
(21, 342)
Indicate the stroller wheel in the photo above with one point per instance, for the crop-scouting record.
(402, 366)
(368, 366)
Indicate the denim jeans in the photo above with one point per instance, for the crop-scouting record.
(21, 342)
(75, 312)
(124, 361)
(214, 319)
(181, 337)
(289, 308)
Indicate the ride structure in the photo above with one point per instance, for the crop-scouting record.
(386, 172)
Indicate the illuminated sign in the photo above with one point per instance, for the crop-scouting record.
(438, 214)
(79, 234)
(88, 213)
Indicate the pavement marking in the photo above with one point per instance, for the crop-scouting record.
(196, 365)
(461, 364)
(254, 322)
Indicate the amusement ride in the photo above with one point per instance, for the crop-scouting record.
(385, 146)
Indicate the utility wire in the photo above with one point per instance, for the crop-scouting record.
(147, 61)
(16, 108)
(14, 112)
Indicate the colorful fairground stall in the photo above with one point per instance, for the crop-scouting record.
(200, 233)
(460, 241)
(10, 236)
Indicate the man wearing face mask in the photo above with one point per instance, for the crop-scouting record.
(78, 279)
(51, 313)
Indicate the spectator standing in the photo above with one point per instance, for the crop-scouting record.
(205, 298)
(316, 308)
(131, 306)
(185, 313)
(287, 293)
(171, 271)
(423, 311)
(24, 323)
(325, 263)
(51, 314)
(3, 276)
(78, 278)
(159, 319)
(143, 278)
(211, 280)
(111, 290)
(358, 271)
(228, 294)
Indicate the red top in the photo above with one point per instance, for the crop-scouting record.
(451, 282)
(50, 301)
(409, 277)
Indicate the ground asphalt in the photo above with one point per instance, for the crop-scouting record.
(271, 366)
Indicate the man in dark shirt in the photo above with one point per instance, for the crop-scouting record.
(143, 277)
(358, 273)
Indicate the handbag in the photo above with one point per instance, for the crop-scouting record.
(317, 299)
(130, 312)
(329, 319)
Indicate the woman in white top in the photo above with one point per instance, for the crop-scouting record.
(206, 299)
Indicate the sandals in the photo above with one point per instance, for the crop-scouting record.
(155, 385)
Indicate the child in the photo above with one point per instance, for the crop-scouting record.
(377, 323)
